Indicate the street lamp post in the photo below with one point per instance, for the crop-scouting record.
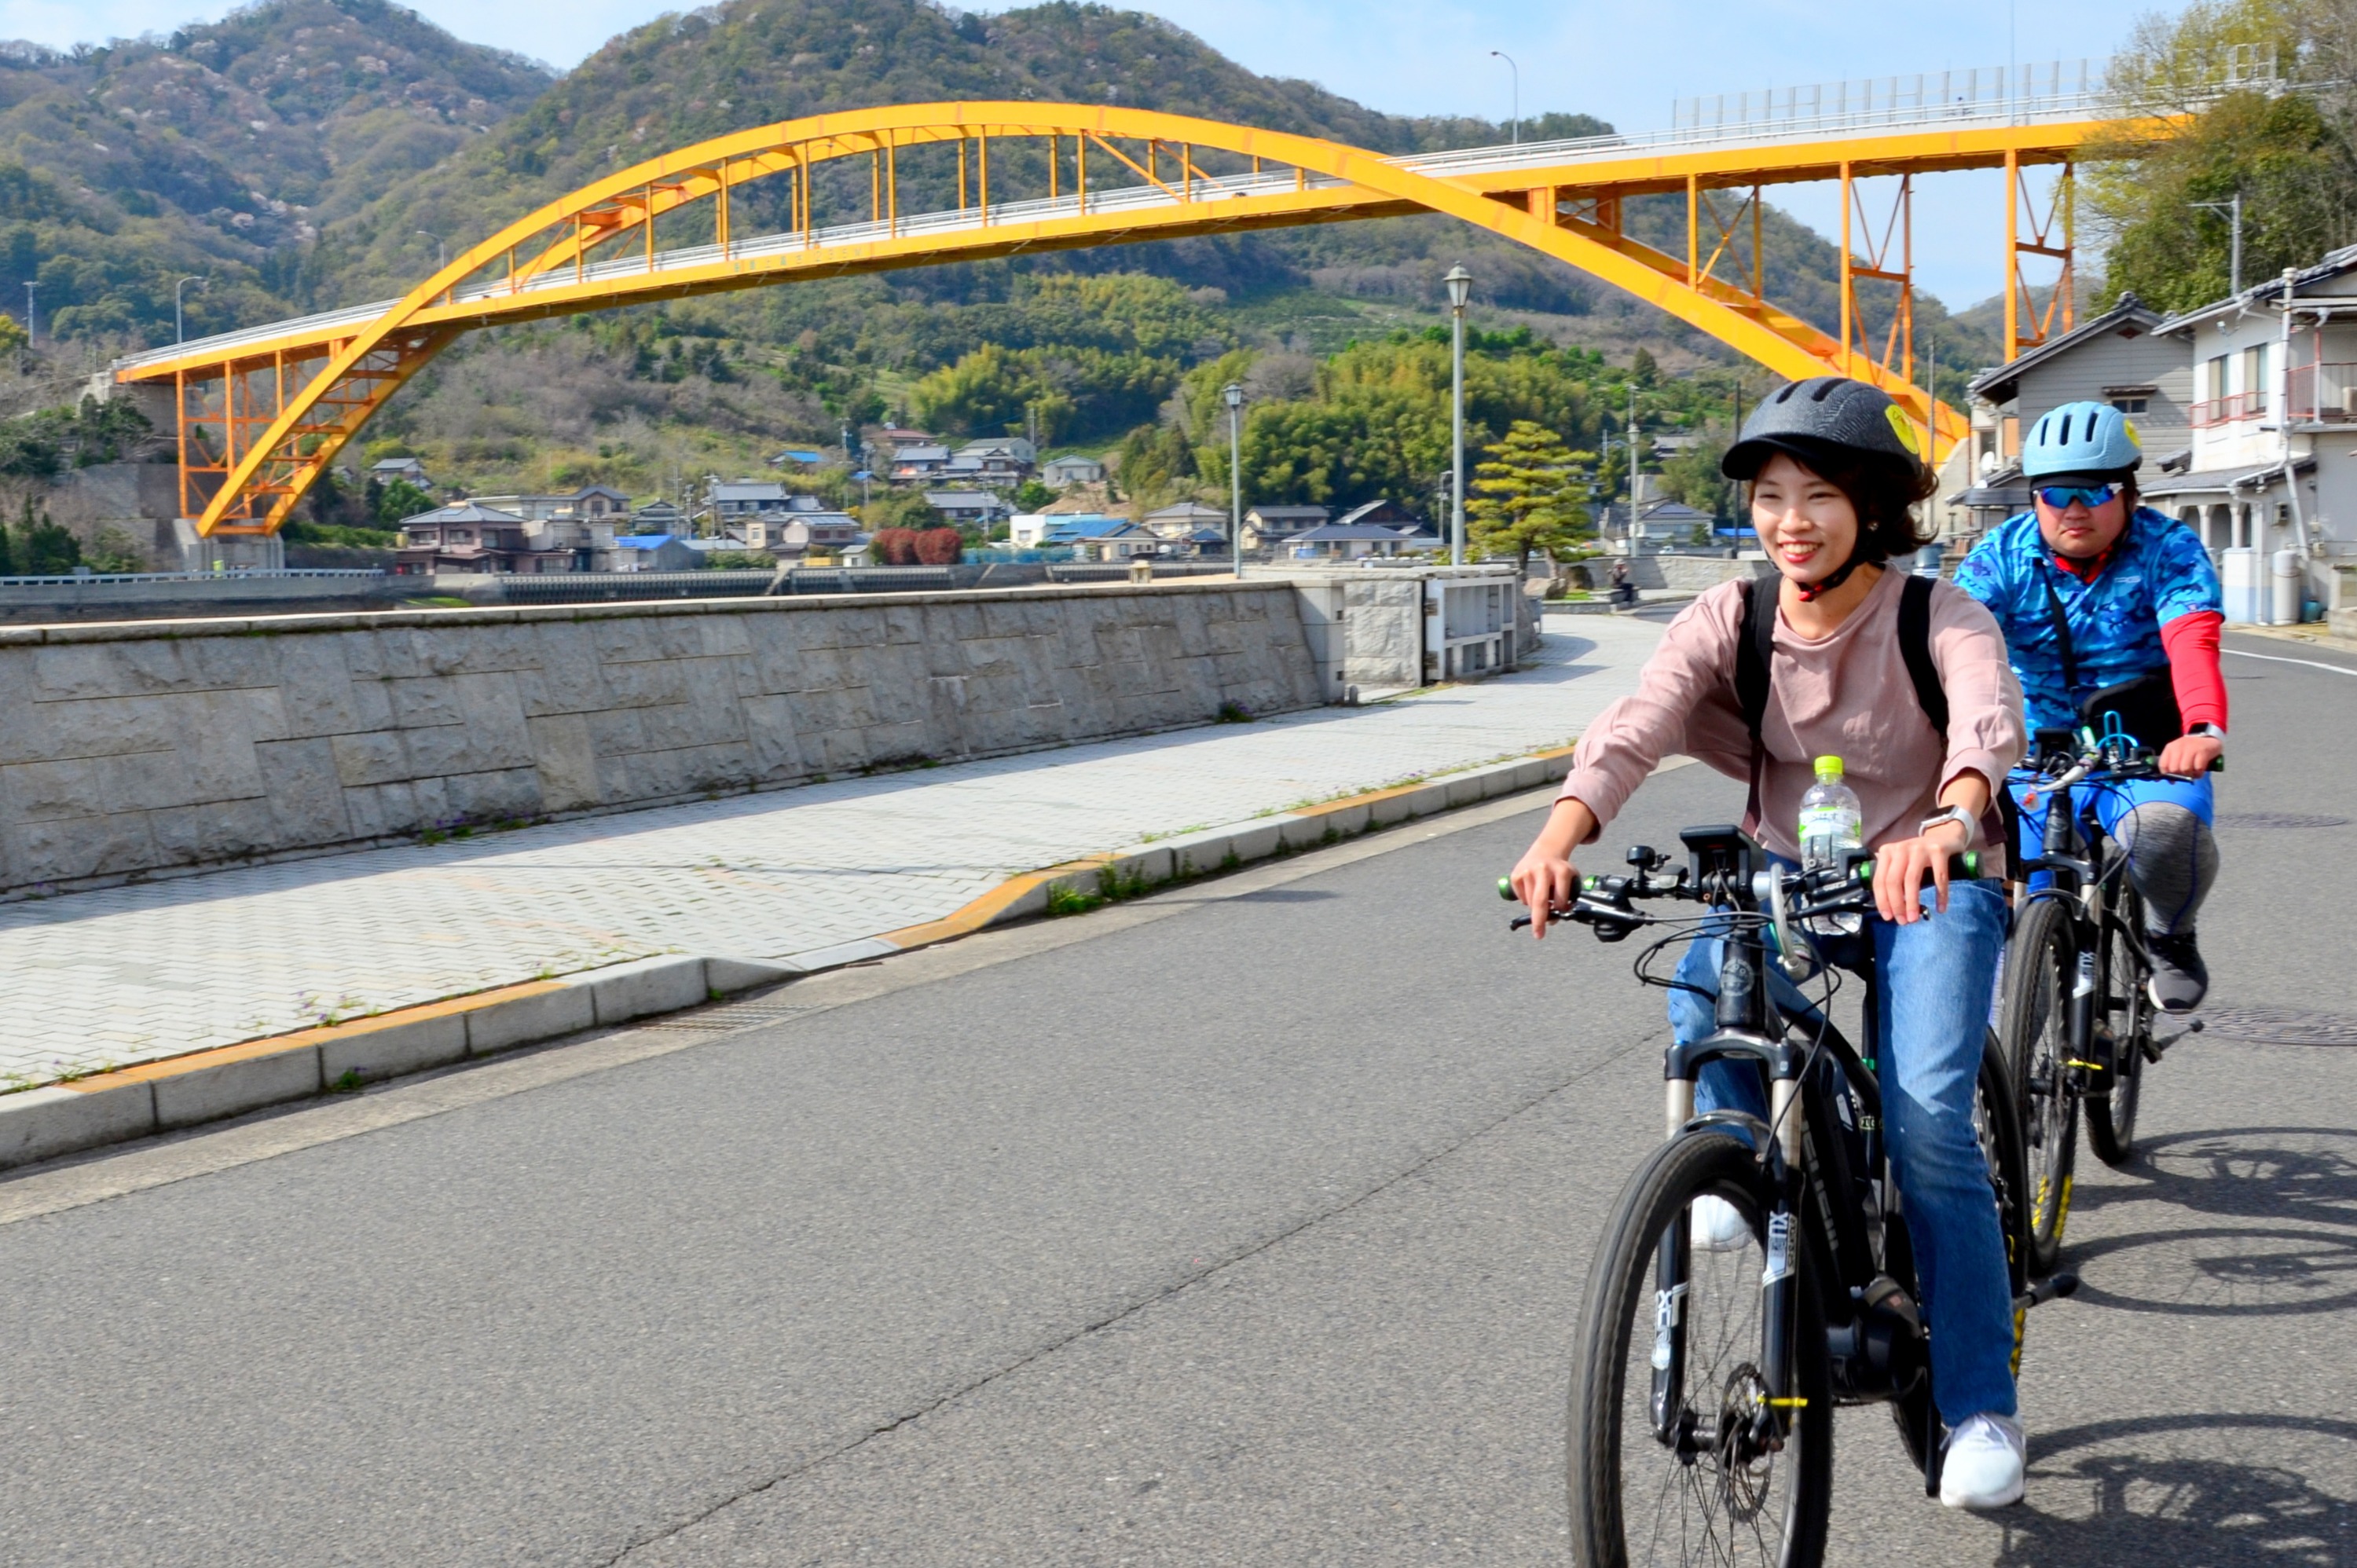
(441, 251)
(1460, 289)
(179, 326)
(1500, 54)
(1235, 394)
(32, 328)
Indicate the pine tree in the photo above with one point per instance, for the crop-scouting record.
(1529, 493)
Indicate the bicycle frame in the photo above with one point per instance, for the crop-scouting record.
(1813, 1155)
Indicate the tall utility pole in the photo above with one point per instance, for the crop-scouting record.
(1233, 392)
(2232, 208)
(32, 329)
(1460, 289)
(1633, 468)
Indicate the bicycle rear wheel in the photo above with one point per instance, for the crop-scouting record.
(2112, 1118)
(1696, 1488)
(2034, 1036)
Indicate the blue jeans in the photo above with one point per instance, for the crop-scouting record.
(1935, 979)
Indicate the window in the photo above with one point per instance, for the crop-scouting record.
(2128, 405)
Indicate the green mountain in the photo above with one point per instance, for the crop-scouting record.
(224, 151)
(305, 154)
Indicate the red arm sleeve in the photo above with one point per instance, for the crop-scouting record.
(2192, 640)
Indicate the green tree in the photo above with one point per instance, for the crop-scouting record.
(399, 500)
(1032, 495)
(1530, 494)
(42, 548)
(2290, 156)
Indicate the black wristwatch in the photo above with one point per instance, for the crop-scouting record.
(2206, 728)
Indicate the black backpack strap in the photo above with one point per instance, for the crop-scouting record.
(1915, 645)
(2062, 644)
(1755, 654)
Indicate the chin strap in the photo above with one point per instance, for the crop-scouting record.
(1811, 592)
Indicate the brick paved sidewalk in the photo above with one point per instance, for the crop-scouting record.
(131, 973)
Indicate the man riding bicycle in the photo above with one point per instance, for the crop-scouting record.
(2111, 608)
(1857, 657)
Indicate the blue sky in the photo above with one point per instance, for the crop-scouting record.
(1622, 60)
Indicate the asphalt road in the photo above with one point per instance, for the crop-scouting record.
(1240, 1226)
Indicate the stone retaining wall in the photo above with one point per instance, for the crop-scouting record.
(148, 746)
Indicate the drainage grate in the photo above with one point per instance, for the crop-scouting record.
(729, 1016)
(2279, 819)
(2282, 1025)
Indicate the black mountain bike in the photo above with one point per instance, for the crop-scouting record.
(1702, 1403)
(2076, 1017)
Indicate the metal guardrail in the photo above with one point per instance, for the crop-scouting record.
(105, 579)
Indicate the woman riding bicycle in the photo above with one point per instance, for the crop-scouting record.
(1833, 473)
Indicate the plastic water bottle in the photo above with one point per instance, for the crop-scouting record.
(1832, 823)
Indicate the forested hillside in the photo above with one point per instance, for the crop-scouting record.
(305, 154)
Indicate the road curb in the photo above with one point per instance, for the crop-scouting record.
(228, 1081)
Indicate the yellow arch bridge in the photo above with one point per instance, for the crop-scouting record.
(262, 411)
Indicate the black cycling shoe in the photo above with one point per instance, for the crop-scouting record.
(2179, 978)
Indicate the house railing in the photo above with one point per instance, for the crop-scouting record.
(2227, 410)
(2325, 393)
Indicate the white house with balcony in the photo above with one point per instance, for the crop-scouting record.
(2270, 478)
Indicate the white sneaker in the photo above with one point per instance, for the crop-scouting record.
(1716, 1225)
(1984, 1462)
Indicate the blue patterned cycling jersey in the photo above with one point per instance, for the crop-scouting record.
(2158, 572)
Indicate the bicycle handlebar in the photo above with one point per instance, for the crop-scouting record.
(1604, 901)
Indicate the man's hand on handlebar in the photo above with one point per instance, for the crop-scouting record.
(2189, 755)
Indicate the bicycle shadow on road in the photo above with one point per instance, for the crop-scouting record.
(2156, 1490)
(2298, 1185)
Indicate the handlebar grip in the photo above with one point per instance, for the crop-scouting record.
(1965, 867)
(1506, 889)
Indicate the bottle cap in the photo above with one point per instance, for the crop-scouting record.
(1829, 769)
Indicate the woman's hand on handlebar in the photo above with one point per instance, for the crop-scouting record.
(1544, 878)
(1898, 870)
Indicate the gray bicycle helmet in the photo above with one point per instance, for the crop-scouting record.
(1823, 416)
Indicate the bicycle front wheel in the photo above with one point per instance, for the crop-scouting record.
(1666, 1466)
(2034, 1033)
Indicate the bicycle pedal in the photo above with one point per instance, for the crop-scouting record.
(2053, 1287)
(2153, 1047)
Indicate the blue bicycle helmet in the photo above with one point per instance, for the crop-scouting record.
(2091, 443)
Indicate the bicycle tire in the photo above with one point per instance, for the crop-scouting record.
(2033, 1035)
(2111, 1119)
(1613, 1460)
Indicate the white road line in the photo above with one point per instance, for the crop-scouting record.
(2279, 659)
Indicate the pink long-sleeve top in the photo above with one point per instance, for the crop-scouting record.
(1846, 695)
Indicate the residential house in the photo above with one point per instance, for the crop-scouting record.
(1272, 527)
(1006, 461)
(798, 458)
(802, 531)
(1383, 512)
(1102, 538)
(901, 435)
(978, 508)
(920, 462)
(1175, 522)
(467, 536)
(1662, 525)
(734, 498)
(660, 517)
(385, 470)
(1025, 530)
(2270, 468)
(2117, 358)
(654, 553)
(1347, 541)
(1058, 472)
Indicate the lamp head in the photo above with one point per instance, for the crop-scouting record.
(1460, 286)
(1234, 393)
